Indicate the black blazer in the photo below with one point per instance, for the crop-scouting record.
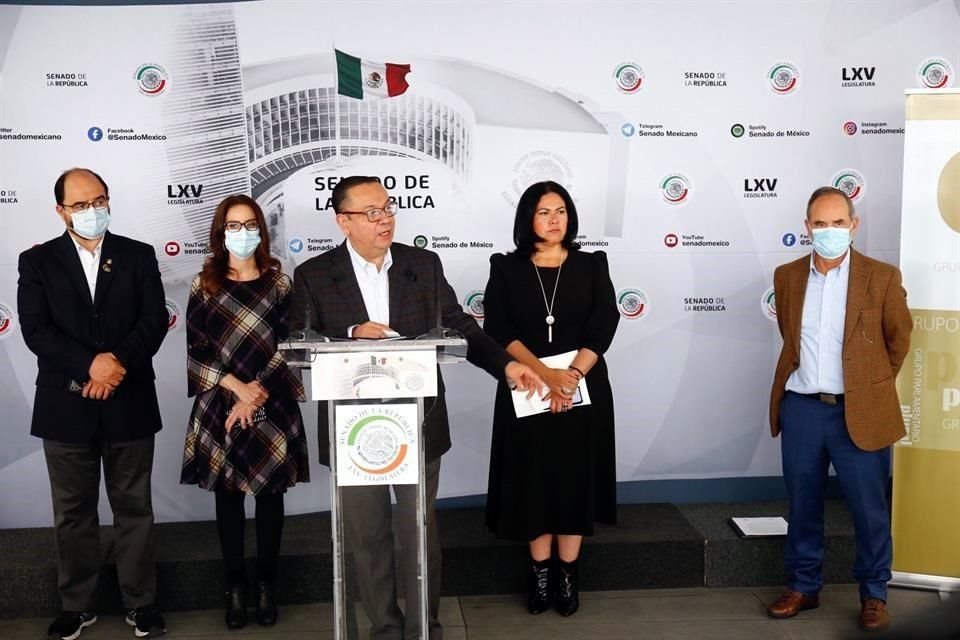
(66, 329)
(327, 286)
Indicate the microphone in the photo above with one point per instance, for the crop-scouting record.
(306, 333)
(438, 332)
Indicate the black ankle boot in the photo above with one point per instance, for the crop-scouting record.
(568, 590)
(539, 577)
(236, 607)
(266, 606)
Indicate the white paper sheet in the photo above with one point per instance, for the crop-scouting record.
(760, 527)
(524, 406)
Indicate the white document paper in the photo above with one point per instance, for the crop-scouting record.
(524, 406)
(760, 527)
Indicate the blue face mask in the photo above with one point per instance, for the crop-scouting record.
(242, 244)
(92, 223)
(831, 242)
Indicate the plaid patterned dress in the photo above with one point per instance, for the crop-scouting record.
(236, 331)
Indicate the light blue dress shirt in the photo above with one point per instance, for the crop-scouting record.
(821, 331)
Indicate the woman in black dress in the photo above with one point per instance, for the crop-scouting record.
(245, 434)
(553, 474)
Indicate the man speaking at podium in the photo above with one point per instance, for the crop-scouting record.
(370, 287)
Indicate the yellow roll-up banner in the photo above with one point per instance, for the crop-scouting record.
(926, 476)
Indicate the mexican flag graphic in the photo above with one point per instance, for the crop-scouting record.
(367, 80)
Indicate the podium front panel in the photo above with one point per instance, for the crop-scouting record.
(382, 487)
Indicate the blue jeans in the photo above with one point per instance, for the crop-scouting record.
(814, 435)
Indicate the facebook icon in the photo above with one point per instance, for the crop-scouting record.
(789, 239)
(95, 134)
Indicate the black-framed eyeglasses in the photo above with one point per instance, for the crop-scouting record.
(79, 207)
(374, 215)
(250, 225)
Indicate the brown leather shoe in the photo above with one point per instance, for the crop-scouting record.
(873, 615)
(791, 603)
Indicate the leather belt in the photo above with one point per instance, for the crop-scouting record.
(825, 398)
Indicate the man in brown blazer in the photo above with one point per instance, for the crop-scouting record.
(372, 287)
(846, 331)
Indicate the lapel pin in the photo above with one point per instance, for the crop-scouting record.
(108, 265)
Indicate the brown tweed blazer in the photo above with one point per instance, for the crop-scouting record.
(876, 341)
(328, 285)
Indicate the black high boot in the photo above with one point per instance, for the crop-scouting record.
(236, 617)
(266, 606)
(539, 576)
(568, 589)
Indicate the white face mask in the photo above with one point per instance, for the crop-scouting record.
(242, 243)
(92, 223)
(831, 242)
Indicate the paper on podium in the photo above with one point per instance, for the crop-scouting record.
(524, 406)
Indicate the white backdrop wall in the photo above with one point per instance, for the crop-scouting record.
(637, 108)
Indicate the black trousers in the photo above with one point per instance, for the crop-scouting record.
(74, 471)
(231, 519)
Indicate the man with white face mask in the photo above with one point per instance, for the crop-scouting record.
(846, 331)
(92, 309)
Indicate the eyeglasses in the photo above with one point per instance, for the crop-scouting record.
(80, 207)
(374, 215)
(234, 226)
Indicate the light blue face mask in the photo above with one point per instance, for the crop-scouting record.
(92, 223)
(831, 242)
(241, 244)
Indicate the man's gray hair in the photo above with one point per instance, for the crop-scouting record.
(823, 192)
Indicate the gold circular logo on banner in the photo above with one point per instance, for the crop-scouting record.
(948, 193)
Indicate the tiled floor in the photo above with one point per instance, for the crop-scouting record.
(671, 614)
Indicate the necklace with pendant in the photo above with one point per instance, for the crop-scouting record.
(549, 305)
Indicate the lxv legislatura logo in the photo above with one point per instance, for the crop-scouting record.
(184, 194)
(632, 303)
(783, 78)
(629, 77)
(151, 79)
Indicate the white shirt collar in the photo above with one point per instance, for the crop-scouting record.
(96, 250)
(363, 265)
(844, 266)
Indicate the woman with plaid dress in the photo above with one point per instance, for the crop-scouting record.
(245, 434)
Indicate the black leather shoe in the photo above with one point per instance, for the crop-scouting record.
(539, 587)
(568, 589)
(236, 607)
(266, 606)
